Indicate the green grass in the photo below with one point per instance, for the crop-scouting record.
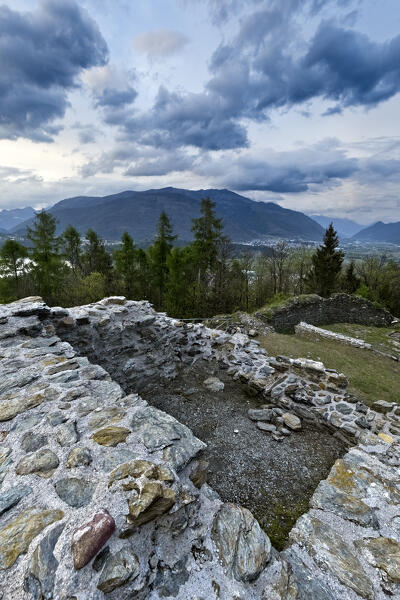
(372, 377)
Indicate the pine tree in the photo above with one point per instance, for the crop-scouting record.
(48, 270)
(71, 246)
(13, 255)
(96, 258)
(126, 265)
(326, 264)
(351, 281)
(159, 253)
(208, 241)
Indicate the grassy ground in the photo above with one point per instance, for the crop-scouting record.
(372, 377)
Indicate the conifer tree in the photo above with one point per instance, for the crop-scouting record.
(48, 266)
(13, 255)
(326, 264)
(71, 246)
(351, 281)
(96, 258)
(159, 253)
(126, 264)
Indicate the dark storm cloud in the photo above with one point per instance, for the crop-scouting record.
(340, 65)
(324, 165)
(114, 98)
(41, 55)
(201, 120)
(268, 65)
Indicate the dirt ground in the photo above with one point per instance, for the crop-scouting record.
(274, 480)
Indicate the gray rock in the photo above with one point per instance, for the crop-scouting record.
(382, 406)
(56, 418)
(269, 427)
(32, 441)
(5, 462)
(25, 422)
(260, 414)
(291, 421)
(79, 457)
(66, 434)
(118, 570)
(214, 384)
(309, 586)
(332, 553)
(117, 456)
(169, 580)
(43, 567)
(75, 492)
(344, 408)
(43, 463)
(157, 431)
(243, 548)
(12, 496)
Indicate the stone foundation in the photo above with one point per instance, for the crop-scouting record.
(339, 308)
(102, 495)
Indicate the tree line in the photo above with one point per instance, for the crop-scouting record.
(200, 279)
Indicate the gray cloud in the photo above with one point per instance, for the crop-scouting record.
(42, 53)
(160, 44)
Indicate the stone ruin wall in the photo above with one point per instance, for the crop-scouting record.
(101, 494)
(312, 309)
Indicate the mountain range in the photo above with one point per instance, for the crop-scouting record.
(346, 228)
(244, 220)
(137, 213)
(12, 218)
(380, 232)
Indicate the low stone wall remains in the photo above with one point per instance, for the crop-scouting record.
(312, 309)
(102, 495)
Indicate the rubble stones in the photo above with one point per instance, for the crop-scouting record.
(243, 548)
(43, 463)
(111, 436)
(118, 569)
(89, 538)
(17, 535)
(75, 492)
(291, 421)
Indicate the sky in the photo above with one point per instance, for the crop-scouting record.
(290, 101)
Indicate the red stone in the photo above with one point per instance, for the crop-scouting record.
(89, 538)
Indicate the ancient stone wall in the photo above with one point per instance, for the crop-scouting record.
(98, 495)
(339, 308)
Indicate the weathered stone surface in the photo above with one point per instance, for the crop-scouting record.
(79, 457)
(11, 408)
(260, 414)
(31, 441)
(115, 457)
(139, 468)
(382, 406)
(151, 500)
(43, 463)
(56, 418)
(330, 497)
(16, 536)
(291, 421)
(89, 538)
(269, 427)
(75, 492)
(157, 430)
(39, 581)
(5, 462)
(384, 553)
(118, 569)
(66, 434)
(111, 436)
(304, 581)
(12, 496)
(332, 553)
(243, 548)
(106, 416)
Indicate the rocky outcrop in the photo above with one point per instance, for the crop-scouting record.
(97, 494)
(339, 308)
